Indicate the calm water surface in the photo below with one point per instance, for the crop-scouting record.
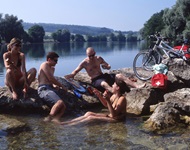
(116, 136)
(119, 55)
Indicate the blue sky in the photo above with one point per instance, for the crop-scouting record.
(123, 15)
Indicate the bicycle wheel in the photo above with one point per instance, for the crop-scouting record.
(157, 56)
(143, 65)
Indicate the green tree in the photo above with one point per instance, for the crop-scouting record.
(121, 37)
(112, 37)
(61, 36)
(103, 38)
(153, 25)
(36, 34)
(79, 38)
(10, 27)
(72, 37)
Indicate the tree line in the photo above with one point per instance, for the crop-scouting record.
(65, 36)
(11, 27)
(173, 23)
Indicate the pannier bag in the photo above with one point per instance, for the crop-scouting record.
(185, 49)
(159, 81)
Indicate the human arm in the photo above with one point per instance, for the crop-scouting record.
(118, 109)
(7, 62)
(46, 76)
(104, 64)
(101, 97)
(72, 75)
(23, 69)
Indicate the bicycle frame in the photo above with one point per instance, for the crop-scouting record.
(162, 47)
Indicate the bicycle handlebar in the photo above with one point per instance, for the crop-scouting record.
(158, 37)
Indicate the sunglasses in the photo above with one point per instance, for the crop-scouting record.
(17, 45)
(91, 55)
(55, 60)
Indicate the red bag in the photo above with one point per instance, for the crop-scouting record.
(159, 81)
(185, 49)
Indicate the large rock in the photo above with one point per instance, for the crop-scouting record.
(11, 126)
(35, 104)
(173, 111)
(176, 106)
(171, 105)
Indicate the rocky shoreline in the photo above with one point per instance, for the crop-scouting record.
(163, 109)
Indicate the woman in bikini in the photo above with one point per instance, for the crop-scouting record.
(116, 105)
(16, 75)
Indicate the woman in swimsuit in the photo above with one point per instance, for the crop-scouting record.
(116, 105)
(16, 75)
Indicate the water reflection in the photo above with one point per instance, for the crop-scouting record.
(34, 50)
(119, 55)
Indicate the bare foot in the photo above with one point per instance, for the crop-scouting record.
(142, 85)
(14, 96)
(55, 120)
(48, 118)
(133, 79)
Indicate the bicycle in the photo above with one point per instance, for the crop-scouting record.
(145, 60)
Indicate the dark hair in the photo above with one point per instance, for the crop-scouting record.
(122, 86)
(52, 55)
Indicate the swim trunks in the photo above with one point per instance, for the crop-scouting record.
(48, 94)
(109, 78)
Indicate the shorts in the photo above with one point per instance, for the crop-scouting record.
(109, 78)
(48, 94)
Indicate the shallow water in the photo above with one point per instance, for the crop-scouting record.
(123, 135)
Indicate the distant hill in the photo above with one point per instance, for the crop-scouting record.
(75, 29)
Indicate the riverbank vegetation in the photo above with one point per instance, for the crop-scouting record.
(171, 22)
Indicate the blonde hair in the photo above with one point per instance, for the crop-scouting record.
(12, 42)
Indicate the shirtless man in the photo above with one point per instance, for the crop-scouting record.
(47, 88)
(92, 64)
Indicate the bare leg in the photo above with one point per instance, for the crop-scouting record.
(106, 86)
(10, 82)
(31, 74)
(129, 82)
(89, 117)
(56, 112)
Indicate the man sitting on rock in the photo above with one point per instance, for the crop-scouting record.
(46, 89)
(101, 81)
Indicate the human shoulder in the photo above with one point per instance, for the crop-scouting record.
(122, 99)
(84, 62)
(6, 54)
(44, 64)
(100, 59)
(21, 54)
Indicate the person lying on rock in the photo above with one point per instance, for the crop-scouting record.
(116, 105)
(101, 81)
(48, 88)
(17, 78)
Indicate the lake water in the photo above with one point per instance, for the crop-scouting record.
(118, 55)
(111, 136)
